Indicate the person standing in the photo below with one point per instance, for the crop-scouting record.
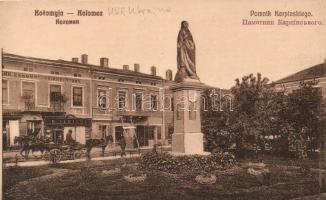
(122, 144)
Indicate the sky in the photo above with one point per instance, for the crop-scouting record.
(225, 49)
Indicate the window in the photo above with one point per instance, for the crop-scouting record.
(28, 69)
(159, 135)
(28, 90)
(153, 83)
(54, 72)
(101, 98)
(77, 75)
(138, 82)
(122, 99)
(154, 102)
(121, 80)
(33, 127)
(28, 94)
(77, 96)
(139, 99)
(5, 92)
(55, 93)
(103, 130)
(168, 103)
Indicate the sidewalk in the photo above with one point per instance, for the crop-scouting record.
(42, 162)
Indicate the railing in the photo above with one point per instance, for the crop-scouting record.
(56, 106)
(29, 105)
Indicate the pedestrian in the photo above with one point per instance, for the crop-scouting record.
(122, 144)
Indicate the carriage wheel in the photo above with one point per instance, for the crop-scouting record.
(55, 155)
(46, 155)
(77, 155)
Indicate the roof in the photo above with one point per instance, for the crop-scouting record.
(316, 71)
(64, 63)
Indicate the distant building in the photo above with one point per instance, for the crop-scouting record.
(51, 97)
(292, 82)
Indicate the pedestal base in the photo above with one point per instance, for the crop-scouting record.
(188, 143)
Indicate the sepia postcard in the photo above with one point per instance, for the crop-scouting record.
(215, 99)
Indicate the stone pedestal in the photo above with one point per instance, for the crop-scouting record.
(187, 137)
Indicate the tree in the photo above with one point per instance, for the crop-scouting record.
(251, 117)
(215, 120)
(305, 115)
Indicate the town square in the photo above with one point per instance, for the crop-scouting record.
(163, 104)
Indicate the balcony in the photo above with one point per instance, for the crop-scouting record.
(29, 105)
(56, 106)
(29, 102)
(57, 102)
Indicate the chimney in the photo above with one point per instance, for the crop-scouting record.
(168, 75)
(136, 67)
(104, 62)
(153, 70)
(75, 60)
(125, 67)
(84, 58)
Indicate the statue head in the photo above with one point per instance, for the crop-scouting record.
(184, 25)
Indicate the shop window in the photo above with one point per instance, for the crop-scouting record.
(118, 133)
(33, 128)
(159, 135)
(150, 130)
(77, 96)
(5, 92)
(103, 131)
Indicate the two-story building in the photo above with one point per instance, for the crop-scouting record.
(48, 98)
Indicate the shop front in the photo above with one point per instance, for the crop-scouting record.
(57, 128)
(10, 128)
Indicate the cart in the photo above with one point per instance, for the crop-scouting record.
(56, 153)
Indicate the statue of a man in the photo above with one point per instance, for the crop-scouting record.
(186, 51)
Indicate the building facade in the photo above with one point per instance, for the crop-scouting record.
(314, 73)
(49, 98)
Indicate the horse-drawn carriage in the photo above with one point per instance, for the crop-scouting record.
(50, 150)
(55, 152)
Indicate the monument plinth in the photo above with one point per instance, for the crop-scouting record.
(187, 137)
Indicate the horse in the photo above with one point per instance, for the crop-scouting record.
(28, 144)
(103, 142)
(24, 143)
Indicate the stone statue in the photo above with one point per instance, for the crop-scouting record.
(186, 51)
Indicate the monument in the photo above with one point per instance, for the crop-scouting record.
(187, 137)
